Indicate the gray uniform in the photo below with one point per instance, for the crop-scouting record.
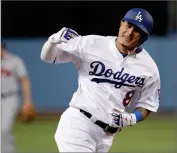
(12, 68)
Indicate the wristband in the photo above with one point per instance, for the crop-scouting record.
(139, 116)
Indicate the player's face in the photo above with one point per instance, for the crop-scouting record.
(129, 35)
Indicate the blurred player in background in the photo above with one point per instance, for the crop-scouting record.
(13, 72)
(113, 73)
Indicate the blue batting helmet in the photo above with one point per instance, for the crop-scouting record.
(141, 19)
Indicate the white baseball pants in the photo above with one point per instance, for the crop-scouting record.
(9, 108)
(77, 133)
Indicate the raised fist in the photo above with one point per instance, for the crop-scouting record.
(64, 35)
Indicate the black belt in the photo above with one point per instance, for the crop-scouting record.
(106, 128)
(3, 95)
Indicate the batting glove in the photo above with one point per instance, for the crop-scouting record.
(64, 35)
(123, 119)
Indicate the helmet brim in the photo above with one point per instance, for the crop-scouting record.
(137, 24)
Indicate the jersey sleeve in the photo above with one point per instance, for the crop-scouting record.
(150, 95)
(73, 48)
(20, 67)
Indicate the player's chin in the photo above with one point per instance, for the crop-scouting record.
(127, 44)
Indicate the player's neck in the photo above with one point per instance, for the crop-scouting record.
(123, 49)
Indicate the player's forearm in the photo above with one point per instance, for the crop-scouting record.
(26, 89)
(49, 52)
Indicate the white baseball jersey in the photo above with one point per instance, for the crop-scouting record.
(106, 79)
(12, 68)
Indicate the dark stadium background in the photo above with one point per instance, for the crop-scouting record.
(35, 19)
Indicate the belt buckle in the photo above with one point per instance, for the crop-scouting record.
(106, 128)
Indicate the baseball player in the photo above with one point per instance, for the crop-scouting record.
(113, 74)
(13, 71)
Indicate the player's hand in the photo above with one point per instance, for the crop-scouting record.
(123, 119)
(28, 112)
(64, 35)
